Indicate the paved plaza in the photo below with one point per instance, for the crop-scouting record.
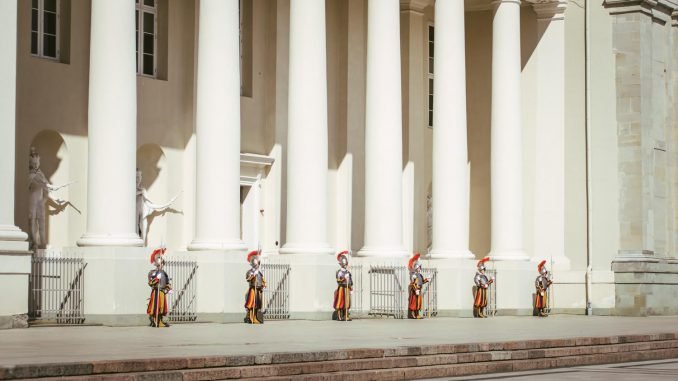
(90, 343)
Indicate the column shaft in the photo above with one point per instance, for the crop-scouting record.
(549, 225)
(112, 124)
(307, 130)
(450, 157)
(11, 237)
(506, 134)
(383, 132)
(217, 224)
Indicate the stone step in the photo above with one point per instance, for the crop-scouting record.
(398, 363)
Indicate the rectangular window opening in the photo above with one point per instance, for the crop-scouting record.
(147, 37)
(45, 18)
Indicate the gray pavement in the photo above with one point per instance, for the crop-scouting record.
(661, 370)
(71, 344)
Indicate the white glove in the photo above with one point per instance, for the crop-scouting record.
(416, 292)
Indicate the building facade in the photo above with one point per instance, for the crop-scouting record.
(522, 130)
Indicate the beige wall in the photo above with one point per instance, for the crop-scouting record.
(54, 96)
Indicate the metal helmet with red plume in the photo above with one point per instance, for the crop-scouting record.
(159, 252)
(481, 263)
(414, 262)
(253, 256)
(342, 258)
(541, 268)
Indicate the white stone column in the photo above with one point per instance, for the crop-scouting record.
(217, 225)
(506, 135)
(549, 224)
(307, 131)
(112, 121)
(450, 157)
(11, 237)
(383, 132)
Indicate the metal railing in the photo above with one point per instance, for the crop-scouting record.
(491, 309)
(56, 288)
(182, 301)
(389, 286)
(357, 295)
(277, 291)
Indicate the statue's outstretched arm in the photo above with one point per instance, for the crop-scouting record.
(158, 207)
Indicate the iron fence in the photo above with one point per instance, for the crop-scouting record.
(277, 291)
(56, 288)
(357, 295)
(389, 286)
(182, 300)
(491, 309)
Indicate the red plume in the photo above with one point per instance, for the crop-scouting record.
(156, 252)
(414, 258)
(480, 262)
(540, 265)
(345, 252)
(251, 254)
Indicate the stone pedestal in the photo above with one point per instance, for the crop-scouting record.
(645, 287)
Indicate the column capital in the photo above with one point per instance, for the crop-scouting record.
(549, 9)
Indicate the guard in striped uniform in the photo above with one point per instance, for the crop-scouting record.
(254, 297)
(482, 284)
(160, 285)
(417, 281)
(542, 284)
(342, 296)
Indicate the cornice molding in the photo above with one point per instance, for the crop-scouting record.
(415, 5)
(549, 9)
(254, 160)
(659, 10)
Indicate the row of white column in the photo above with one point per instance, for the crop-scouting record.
(307, 139)
(112, 127)
(112, 131)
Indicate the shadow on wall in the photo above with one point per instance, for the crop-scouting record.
(154, 184)
(149, 160)
(53, 152)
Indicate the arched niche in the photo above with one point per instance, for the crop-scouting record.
(152, 162)
(54, 157)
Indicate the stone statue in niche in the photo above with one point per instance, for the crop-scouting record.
(39, 197)
(147, 210)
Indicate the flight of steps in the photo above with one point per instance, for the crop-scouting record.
(399, 363)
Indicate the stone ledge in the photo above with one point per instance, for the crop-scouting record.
(14, 321)
(654, 265)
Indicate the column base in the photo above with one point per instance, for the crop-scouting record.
(451, 254)
(635, 256)
(385, 252)
(125, 240)
(207, 245)
(298, 248)
(508, 255)
(12, 238)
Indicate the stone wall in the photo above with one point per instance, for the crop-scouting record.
(645, 60)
